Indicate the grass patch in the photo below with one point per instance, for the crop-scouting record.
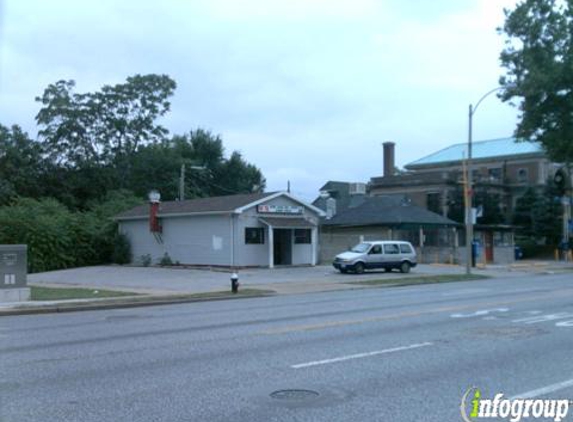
(64, 293)
(430, 279)
(56, 293)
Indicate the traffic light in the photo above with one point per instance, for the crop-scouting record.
(561, 180)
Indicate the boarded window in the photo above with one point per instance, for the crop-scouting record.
(254, 235)
(434, 202)
(302, 236)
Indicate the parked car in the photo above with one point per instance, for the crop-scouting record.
(387, 254)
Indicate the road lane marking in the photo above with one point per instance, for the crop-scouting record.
(544, 390)
(479, 313)
(361, 355)
(407, 314)
(544, 318)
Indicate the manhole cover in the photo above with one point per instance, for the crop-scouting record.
(294, 394)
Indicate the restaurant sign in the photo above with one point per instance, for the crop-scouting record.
(279, 209)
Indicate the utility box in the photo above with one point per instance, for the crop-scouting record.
(13, 273)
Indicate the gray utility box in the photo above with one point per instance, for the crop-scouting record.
(13, 273)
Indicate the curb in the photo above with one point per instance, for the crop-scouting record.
(123, 303)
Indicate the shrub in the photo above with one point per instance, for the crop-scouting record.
(165, 261)
(121, 249)
(145, 260)
(58, 238)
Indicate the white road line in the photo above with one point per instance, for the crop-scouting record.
(544, 318)
(545, 390)
(361, 355)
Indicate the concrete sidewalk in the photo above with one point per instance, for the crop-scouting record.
(173, 285)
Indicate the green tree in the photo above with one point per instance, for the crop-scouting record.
(21, 165)
(235, 175)
(538, 58)
(106, 126)
(523, 213)
(547, 215)
(158, 166)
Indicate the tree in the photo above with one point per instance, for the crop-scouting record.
(523, 213)
(21, 165)
(538, 58)
(158, 166)
(104, 127)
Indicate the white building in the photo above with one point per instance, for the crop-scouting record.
(262, 229)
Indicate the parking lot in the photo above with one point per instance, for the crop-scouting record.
(157, 280)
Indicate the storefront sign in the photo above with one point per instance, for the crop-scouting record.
(279, 209)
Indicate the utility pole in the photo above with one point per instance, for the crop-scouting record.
(182, 179)
(182, 183)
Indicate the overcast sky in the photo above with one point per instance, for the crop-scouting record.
(307, 90)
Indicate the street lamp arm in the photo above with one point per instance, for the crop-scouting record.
(484, 97)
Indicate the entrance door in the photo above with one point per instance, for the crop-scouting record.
(282, 246)
(488, 246)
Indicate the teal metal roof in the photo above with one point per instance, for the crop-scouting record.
(481, 149)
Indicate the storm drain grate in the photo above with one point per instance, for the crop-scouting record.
(294, 394)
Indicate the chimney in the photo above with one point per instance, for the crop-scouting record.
(389, 164)
(154, 199)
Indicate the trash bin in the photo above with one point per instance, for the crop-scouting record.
(518, 252)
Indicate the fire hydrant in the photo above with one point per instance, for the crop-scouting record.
(235, 283)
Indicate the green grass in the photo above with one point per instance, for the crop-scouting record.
(242, 292)
(53, 293)
(56, 293)
(430, 279)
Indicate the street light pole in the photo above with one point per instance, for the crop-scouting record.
(469, 184)
(182, 179)
(469, 196)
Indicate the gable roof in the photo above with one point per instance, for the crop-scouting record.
(388, 211)
(214, 205)
(494, 148)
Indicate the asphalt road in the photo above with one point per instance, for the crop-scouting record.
(395, 354)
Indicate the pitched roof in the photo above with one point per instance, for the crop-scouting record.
(480, 150)
(227, 203)
(389, 211)
(339, 191)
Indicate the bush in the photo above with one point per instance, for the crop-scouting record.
(166, 260)
(145, 260)
(58, 238)
(121, 249)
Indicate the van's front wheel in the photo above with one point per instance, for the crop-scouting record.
(405, 267)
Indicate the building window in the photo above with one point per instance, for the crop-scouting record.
(434, 202)
(254, 235)
(522, 175)
(495, 174)
(302, 236)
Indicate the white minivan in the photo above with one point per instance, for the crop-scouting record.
(387, 254)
